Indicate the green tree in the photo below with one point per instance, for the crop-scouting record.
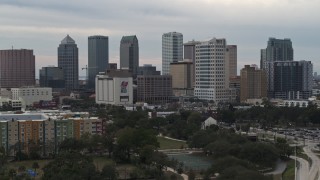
(35, 166)
(21, 169)
(191, 175)
(12, 173)
(70, 165)
(283, 147)
(3, 156)
(109, 172)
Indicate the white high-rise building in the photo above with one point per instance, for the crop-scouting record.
(172, 50)
(212, 72)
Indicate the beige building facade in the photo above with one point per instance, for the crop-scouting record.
(182, 78)
(253, 83)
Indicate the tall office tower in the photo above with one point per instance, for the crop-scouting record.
(98, 57)
(69, 62)
(172, 50)
(129, 54)
(292, 79)
(253, 83)
(52, 77)
(182, 73)
(277, 50)
(17, 68)
(231, 55)
(148, 69)
(212, 72)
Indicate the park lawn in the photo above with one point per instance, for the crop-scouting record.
(28, 164)
(100, 161)
(289, 172)
(170, 144)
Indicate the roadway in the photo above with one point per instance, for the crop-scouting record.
(304, 171)
(302, 168)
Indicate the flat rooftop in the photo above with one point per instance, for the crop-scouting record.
(9, 117)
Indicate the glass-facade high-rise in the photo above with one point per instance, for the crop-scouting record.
(292, 79)
(69, 62)
(172, 50)
(277, 50)
(52, 77)
(129, 54)
(98, 57)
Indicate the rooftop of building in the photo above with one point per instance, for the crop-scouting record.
(16, 49)
(117, 73)
(193, 42)
(68, 40)
(130, 38)
(97, 36)
(23, 117)
(173, 33)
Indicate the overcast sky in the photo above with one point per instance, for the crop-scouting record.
(41, 25)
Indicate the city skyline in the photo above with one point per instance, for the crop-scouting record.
(247, 24)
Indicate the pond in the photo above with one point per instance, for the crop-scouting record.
(192, 161)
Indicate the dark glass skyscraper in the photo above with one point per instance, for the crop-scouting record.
(292, 79)
(129, 54)
(277, 50)
(52, 77)
(69, 62)
(98, 57)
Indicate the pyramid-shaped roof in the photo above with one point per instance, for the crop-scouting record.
(68, 40)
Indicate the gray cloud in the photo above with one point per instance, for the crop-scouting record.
(40, 25)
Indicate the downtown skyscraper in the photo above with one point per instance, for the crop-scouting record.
(17, 68)
(277, 50)
(172, 50)
(286, 78)
(129, 54)
(212, 72)
(98, 57)
(69, 62)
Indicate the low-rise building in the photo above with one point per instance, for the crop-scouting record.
(114, 87)
(30, 95)
(154, 89)
(23, 131)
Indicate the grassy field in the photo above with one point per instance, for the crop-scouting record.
(289, 172)
(170, 144)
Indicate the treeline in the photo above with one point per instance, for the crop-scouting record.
(270, 116)
(235, 156)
